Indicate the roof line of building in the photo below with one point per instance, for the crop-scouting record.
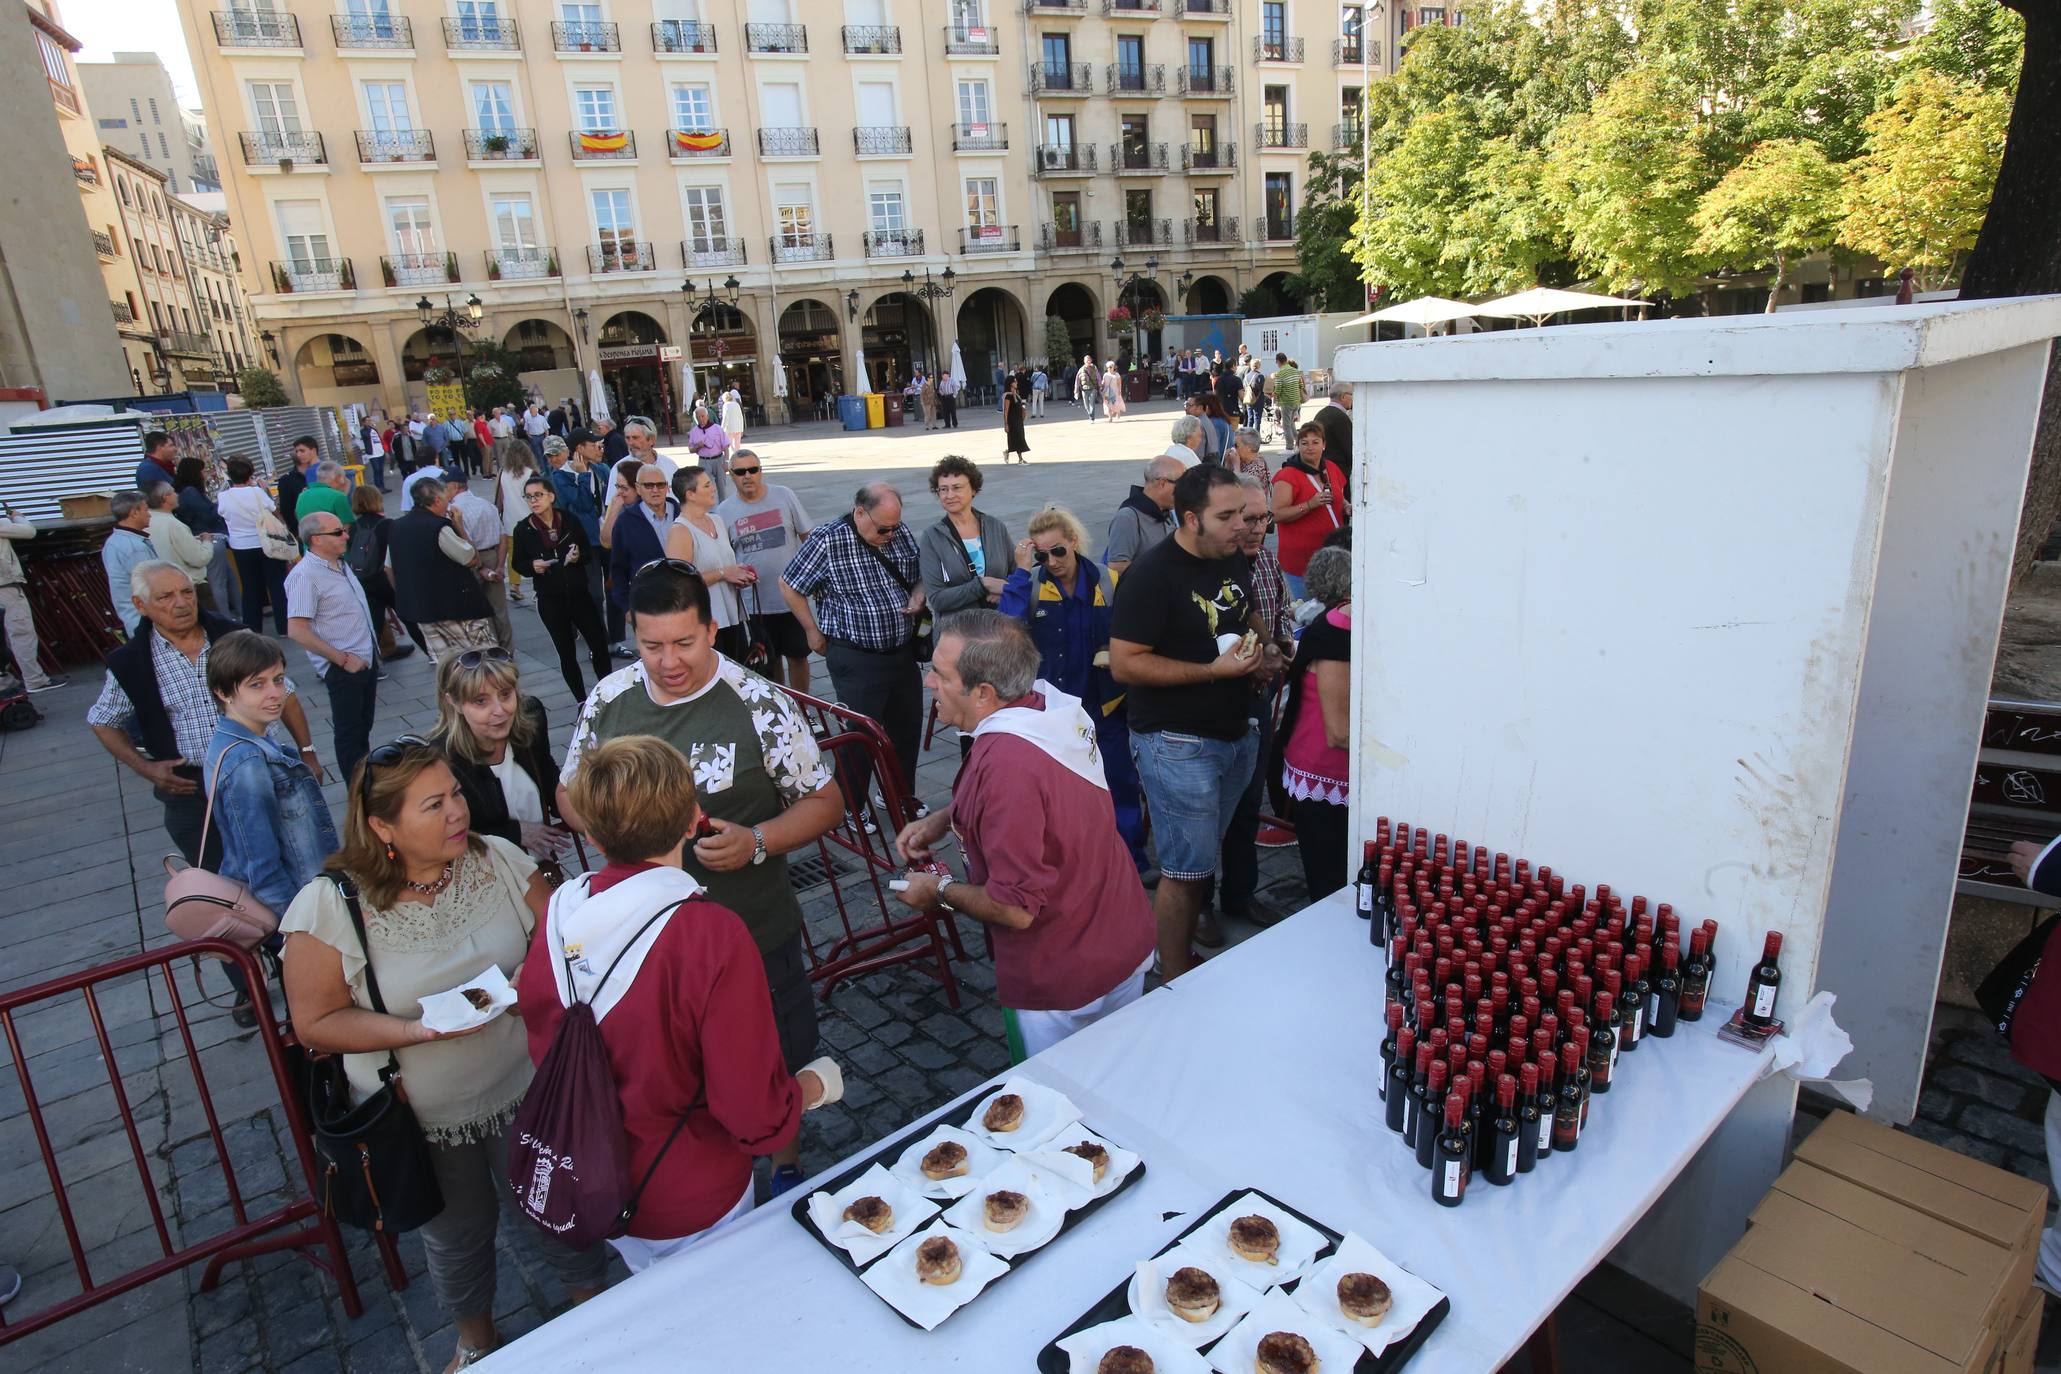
(52, 27)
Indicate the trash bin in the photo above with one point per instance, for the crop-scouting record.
(852, 410)
(893, 409)
(876, 413)
(1138, 386)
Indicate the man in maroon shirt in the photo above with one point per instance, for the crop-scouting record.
(1046, 866)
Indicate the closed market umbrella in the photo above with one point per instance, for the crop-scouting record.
(958, 365)
(597, 399)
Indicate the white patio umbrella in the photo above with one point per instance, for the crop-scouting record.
(1542, 302)
(779, 379)
(958, 365)
(1425, 311)
(597, 399)
(687, 390)
(865, 380)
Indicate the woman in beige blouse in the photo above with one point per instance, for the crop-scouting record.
(699, 538)
(440, 904)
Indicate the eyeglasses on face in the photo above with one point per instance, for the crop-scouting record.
(1056, 551)
(744, 472)
(659, 485)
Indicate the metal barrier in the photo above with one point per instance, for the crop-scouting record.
(249, 1236)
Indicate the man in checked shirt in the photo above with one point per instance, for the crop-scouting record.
(853, 585)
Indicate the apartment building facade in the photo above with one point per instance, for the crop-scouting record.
(136, 110)
(213, 263)
(774, 192)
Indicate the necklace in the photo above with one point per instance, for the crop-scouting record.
(431, 889)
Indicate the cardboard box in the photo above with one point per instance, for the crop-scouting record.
(2022, 1341)
(1751, 1321)
(91, 506)
(2002, 1208)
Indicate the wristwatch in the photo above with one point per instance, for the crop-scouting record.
(758, 846)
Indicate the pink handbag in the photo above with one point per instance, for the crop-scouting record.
(200, 905)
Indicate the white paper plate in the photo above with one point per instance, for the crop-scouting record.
(864, 1246)
(1075, 1174)
(1300, 1243)
(1238, 1353)
(1045, 1114)
(1413, 1298)
(1047, 1211)
(982, 1159)
(1086, 1348)
(927, 1304)
(445, 1012)
(1147, 1296)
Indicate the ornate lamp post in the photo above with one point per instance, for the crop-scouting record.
(929, 292)
(458, 320)
(705, 306)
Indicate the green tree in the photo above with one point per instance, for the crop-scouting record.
(1916, 198)
(1058, 342)
(1973, 40)
(1329, 277)
(1625, 178)
(1780, 204)
(1409, 239)
(259, 386)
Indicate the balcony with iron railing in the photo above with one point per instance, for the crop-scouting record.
(698, 145)
(1144, 233)
(531, 263)
(1345, 138)
(1218, 157)
(714, 250)
(1138, 159)
(683, 36)
(800, 246)
(1143, 79)
(1143, 9)
(314, 274)
(980, 138)
(990, 238)
(621, 255)
(1345, 52)
(276, 146)
(1277, 229)
(122, 313)
(390, 31)
(1054, 9)
(104, 244)
(501, 145)
(777, 39)
(585, 36)
(482, 35)
(396, 145)
(418, 269)
(1201, 9)
(256, 29)
(907, 243)
(1206, 83)
(603, 145)
(799, 141)
(1220, 230)
(1272, 134)
(1276, 48)
(872, 40)
(885, 140)
(1062, 78)
(1064, 159)
(1080, 238)
(185, 343)
(966, 40)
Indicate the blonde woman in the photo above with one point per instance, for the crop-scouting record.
(498, 744)
(1112, 392)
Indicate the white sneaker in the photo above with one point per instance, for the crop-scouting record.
(50, 686)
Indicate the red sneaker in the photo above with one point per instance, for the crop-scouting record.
(1274, 837)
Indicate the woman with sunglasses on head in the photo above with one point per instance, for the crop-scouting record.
(698, 539)
(439, 903)
(553, 551)
(1065, 601)
(499, 747)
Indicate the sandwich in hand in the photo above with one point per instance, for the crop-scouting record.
(1005, 1113)
(1364, 1298)
(1255, 1238)
(937, 1261)
(947, 1160)
(1193, 1294)
(873, 1213)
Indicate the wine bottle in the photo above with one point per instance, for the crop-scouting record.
(1764, 984)
(1667, 991)
(1695, 976)
(1413, 1100)
(1582, 1077)
(1365, 881)
(1528, 1119)
(1480, 1112)
(1548, 1100)
(1427, 1121)
(1398, 972)
(1602, 1056)
(1451, 1166)
(1567, 1103)
(1503, 1135)
(1395, 1091)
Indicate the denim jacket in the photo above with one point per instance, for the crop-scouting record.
(274, 825)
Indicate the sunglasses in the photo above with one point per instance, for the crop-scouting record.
(385, 756)
(473, 658)
(651, 486)
(677, 565)
(1056, 551)
(744, 472)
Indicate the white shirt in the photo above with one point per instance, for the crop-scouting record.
(408, 485)
(518, 791)
(1181, 454)
(534, 425)
(502, 426)
(240, 508)
(480, 521)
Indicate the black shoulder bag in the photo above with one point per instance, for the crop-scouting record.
(923, 622)
(375, 1161)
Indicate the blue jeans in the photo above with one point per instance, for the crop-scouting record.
(1192, 785)
(1120, 771)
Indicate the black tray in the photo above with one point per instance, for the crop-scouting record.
(887, 1153)
(1116, 1303)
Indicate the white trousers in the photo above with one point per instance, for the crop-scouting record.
(642, 1254)
(21, 634)
(1041, 1030)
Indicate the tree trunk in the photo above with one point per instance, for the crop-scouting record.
(1775, 286)
(2018, 252)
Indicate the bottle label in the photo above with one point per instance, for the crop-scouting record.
(1510, 1156)
(1639, 1021)
(1366, 899)
(1615, 1048)
(1545, 1132)
(1455, 1181)
(1764, 1001)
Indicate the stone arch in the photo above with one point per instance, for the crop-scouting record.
(1080, 306)
(1275, 296)
(898, 334)
(1210, 295)
(993, 326)
(810, 354)
(336, 366)
(631, 327)
(429, 346)
(540, 345)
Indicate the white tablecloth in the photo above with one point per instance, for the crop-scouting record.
(1256, 1070)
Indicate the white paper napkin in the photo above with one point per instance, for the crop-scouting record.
(1076, 1176)
(1147, 1296)
(1300, 1243)
(1238, 1353)
(928, 1304)
(1086, 1348)
(982, 1159)
(1045, 1114)
(911, 1210)
(446, 1012)
(1047, 1210)
(1413, 1297)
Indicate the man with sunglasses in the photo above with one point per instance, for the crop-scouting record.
(327, 615)
(862, 575)
(766, 522)
(639, 534)
(761, 781)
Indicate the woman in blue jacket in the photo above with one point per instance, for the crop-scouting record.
(1065, 600)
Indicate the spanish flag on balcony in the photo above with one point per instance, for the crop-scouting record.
(613, 142)
(685, 142)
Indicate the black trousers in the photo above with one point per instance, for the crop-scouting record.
(888, 688)
(379, 594)
(949, 410)
(1320, 834)
(1238, 873)
(185, 816)
(263, 579)
(353, 698)
(567, 618)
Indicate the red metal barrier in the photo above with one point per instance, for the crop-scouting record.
(250, 1235)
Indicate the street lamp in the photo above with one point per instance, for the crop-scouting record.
(930, 291)
(705, 306)
(457, 320)
(851, 304)
(271, 342)
(580, 319)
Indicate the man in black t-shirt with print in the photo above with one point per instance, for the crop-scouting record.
(1190, 701)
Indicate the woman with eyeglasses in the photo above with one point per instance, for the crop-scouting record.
(498, 743)
(961, 556)
(552, 550)
(698, 539)
(1065, 601)
(439, 903)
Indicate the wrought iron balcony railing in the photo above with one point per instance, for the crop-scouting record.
(1062, 78)
(776, 38)
(1137, 158)
(907, 243)
(418, 269)
(521, 264)
(372, 30)
(881, 141)
(1218, 157)
(694, 145)
(481, 35)
(396, 145)
(1272, 134)
(1212, 83)
(1079, 238)
(683, 35)
(990, 238)
(802, 246)
(980, 138)
(970, 40)
(1223, 229)
(501, 145)
(602, 145)
(713, 250)
(878, 40)
(1063, 159)
(621, 255)
(282, 146)
(1144, 79)
(586, 36)
(256, 29)
(1276, 48)
(794, 142)
(1144, 233)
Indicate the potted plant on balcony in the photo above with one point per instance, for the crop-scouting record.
(281, 282)
(348, 276)
(286, 164)
(495, 143)
(1120, 325)
(493, 268)
(551, 264)
(450, 267)
(386, 273)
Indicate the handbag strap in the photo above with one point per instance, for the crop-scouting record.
(207, 814)
(349, 892)
(888, 563)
